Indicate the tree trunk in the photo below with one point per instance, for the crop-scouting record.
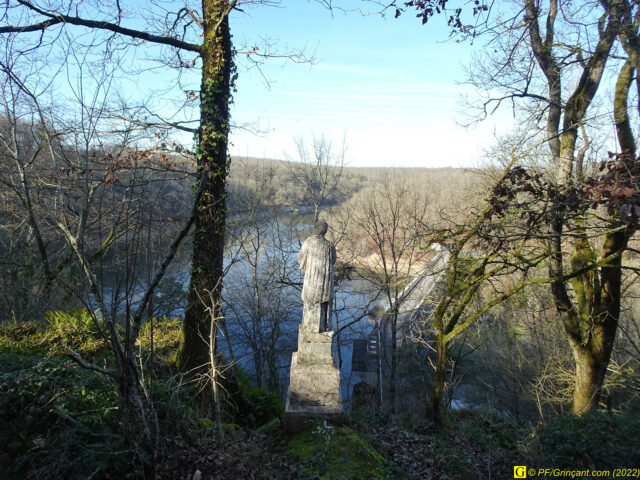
(213, 341)
(440, 378)
(211, 154)
(136, 429)
(592, 351)
(589, 323)
(587, 385)
(394, 360)
(592, 360)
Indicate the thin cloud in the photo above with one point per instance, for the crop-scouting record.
(353, 69)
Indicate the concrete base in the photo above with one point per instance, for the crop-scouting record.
(314, 385)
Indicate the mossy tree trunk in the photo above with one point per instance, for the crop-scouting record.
(593, 327)
(460, 286)
(440, 377)
(205, 288)
(590, 318)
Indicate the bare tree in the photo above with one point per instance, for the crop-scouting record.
(381, 225)
(95, 202)
(548, 61)
(183, 38)
(317, 170)
(260, 299)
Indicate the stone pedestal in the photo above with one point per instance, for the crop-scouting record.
(314, 384)
(311, 315)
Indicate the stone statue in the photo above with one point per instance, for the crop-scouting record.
(316, 258)
(314, 379)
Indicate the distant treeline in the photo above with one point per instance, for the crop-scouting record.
(271, 178)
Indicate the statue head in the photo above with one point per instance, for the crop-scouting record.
(321, 228)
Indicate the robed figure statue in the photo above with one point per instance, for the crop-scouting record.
(316, 258)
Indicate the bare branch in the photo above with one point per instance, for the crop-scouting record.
(58, 19)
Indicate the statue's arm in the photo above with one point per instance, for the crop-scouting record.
(302, 257)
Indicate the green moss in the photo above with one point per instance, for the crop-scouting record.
(336, 453)
(303, 445)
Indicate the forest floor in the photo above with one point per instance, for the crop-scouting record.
(60, 421)
(473, 445)
(404, 454)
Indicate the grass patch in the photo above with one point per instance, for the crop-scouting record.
(77, 330)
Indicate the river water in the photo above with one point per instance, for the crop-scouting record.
(263, 307)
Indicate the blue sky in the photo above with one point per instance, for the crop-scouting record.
(390, 86)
